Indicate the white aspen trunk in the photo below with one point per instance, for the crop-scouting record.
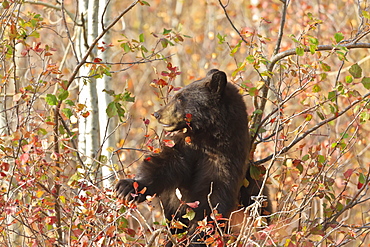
(89, 139)
(15, 229)
(82, 7)
(106, 124)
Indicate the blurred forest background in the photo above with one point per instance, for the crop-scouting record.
(81, 79)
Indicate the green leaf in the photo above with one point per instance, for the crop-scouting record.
(166, 31)
(333, 109)
(299, 166)
(300, 51)
(165, 43)
(126, 47)
(141, 38)
(255, 172)
(5, 4)
(321, 116)
(362, 178)
(313, 40)
(127, 97)
(62, 94)
(120, 111)
(364, 116)
(221, 38)
(236, 48)
(67, 112)
(339, 207)
(189, 215)
(313, 49)
(325, 66)
(338, 37)
(355, 71)
(250, 59)
(42, 131)
(306, 157)
(316, 88)
(366, 82)
(253, 91)
(257, 112)
(321, 158)
(349, 79)
(111, 109)
(341, 56)
(332, 96)
(51, 99)
(145, 3)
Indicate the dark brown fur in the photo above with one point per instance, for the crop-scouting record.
(213, 150)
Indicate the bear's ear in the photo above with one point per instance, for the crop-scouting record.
(217, 82)
(212, 71)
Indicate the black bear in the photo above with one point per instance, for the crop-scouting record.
(211, 149)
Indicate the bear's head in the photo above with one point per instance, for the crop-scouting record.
(195, 106)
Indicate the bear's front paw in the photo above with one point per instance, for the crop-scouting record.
(129, 189)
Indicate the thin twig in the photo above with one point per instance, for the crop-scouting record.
(300, 138)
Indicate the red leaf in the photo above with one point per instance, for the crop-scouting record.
(164, 73)
(361, 181)
(188, 117)
(135, 185)
(169, 143)
(5, 166)
(161, 82)
(97, 60)
(169, 66)
(219, 242)
(348, 173)
(24, 158)
(50, 220)
(86, 114)
(193, 204)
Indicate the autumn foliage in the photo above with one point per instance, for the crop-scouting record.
(302, 66)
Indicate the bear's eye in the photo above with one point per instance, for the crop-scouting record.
(179, 99)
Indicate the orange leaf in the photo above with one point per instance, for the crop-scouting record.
(142, 191)
(111, 230)
(188, 139)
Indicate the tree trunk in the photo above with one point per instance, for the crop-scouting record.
(106, 124)
(89, 139)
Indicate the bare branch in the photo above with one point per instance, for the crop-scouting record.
(322, 123)
(276, 58)
(231, 23)
(281, 30)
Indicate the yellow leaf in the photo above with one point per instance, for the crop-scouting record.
(260, 84)
(62, 199)
(39, 193)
